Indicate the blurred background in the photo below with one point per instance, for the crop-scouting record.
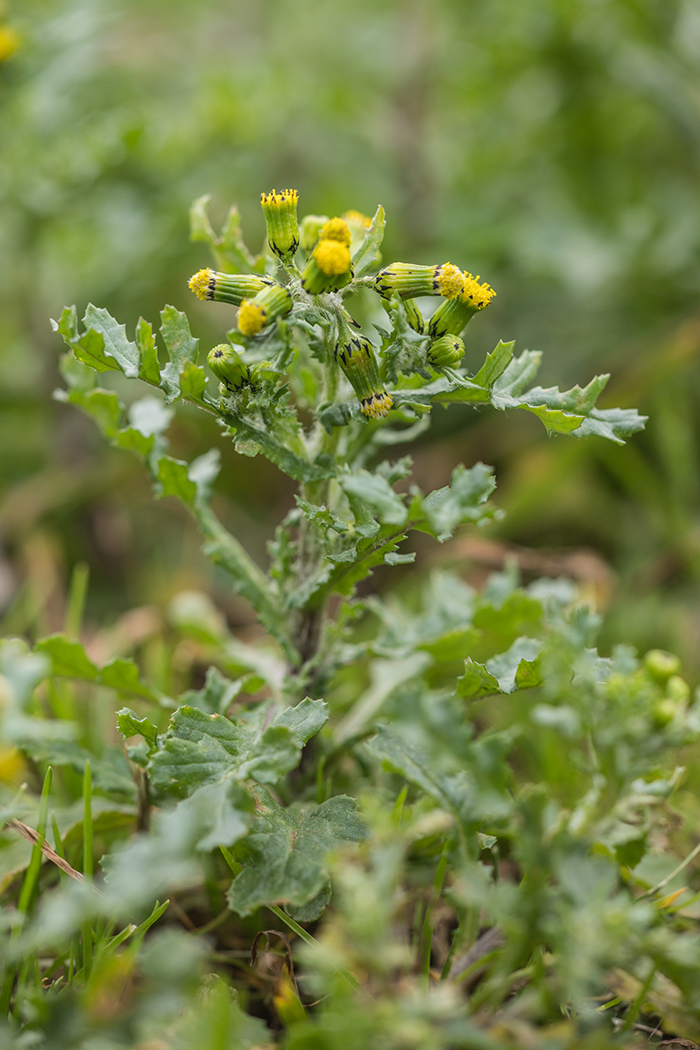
(551, 146)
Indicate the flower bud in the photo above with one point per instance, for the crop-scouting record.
(228, 366)
(280, 211)
(328, 267)
(408, 280)
(661, 665)
(355, 355)
(256, 314)
(446, 352)
(310, 229)
(227, 287)
(453, 315)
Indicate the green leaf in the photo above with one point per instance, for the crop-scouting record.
(612, 423)
(368, 252)
(284, 854)
(198, 747)
(462, 500)
(115, 344)
(476, 681)
(217, 694)
(374, 492)
(149, 369)
(68, 658)
(321, 516)
(172, 479)
(129, 724)
(181, 344)
(193, 382)
(123, 674)
(290, 462)
(495, 365)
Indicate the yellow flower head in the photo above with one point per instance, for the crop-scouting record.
(202, 284)
(475, 294)
(356, 218)
(376, 405)
(251, 318)
(279, 201)
(449, 280)
(332, 257)
(336, 230)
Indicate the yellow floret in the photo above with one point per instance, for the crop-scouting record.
(336, 230)
(280, 200)
(479, 295)
(332, 257)
(450, 281)
(201, 282)
(376, 405)
(251, 318)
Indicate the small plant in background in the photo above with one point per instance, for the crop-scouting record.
(440, 819)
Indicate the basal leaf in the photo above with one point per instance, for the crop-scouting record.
(123, 674)
(476, 681)
(67, 657)
(283, 855)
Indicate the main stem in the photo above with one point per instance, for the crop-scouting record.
(307, 627)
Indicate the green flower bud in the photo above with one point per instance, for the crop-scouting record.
(228, 366)
(454, 314)
(446, 352)
(661, 665)
(310, 230)
(677, 689)
(259, 312)
(280, 211)
(328, 266)
(227, 287)
(409, 280)
(355, 355)
(263, 372)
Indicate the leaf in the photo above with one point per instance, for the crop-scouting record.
(181, 344)
(129, 724)
(172, 479)
(368, 252)
(150, 416)
(284, 854)
(321, 516)
(495, 365)
(198, 747)
(375, 493)
(216, 695)
(193, 382)
(476, 681)
(292, 464)
(123, 674)
(149, 368)
(612, 423)
(462, 500)
(68, 658)
(505, 666)
(115, 344)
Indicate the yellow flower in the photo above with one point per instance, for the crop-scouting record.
(332, 257)
(251, 318)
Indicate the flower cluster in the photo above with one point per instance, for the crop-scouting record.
(329, 245)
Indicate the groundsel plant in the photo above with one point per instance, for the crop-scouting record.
(478, 787)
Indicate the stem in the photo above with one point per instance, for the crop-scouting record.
(88, 862)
